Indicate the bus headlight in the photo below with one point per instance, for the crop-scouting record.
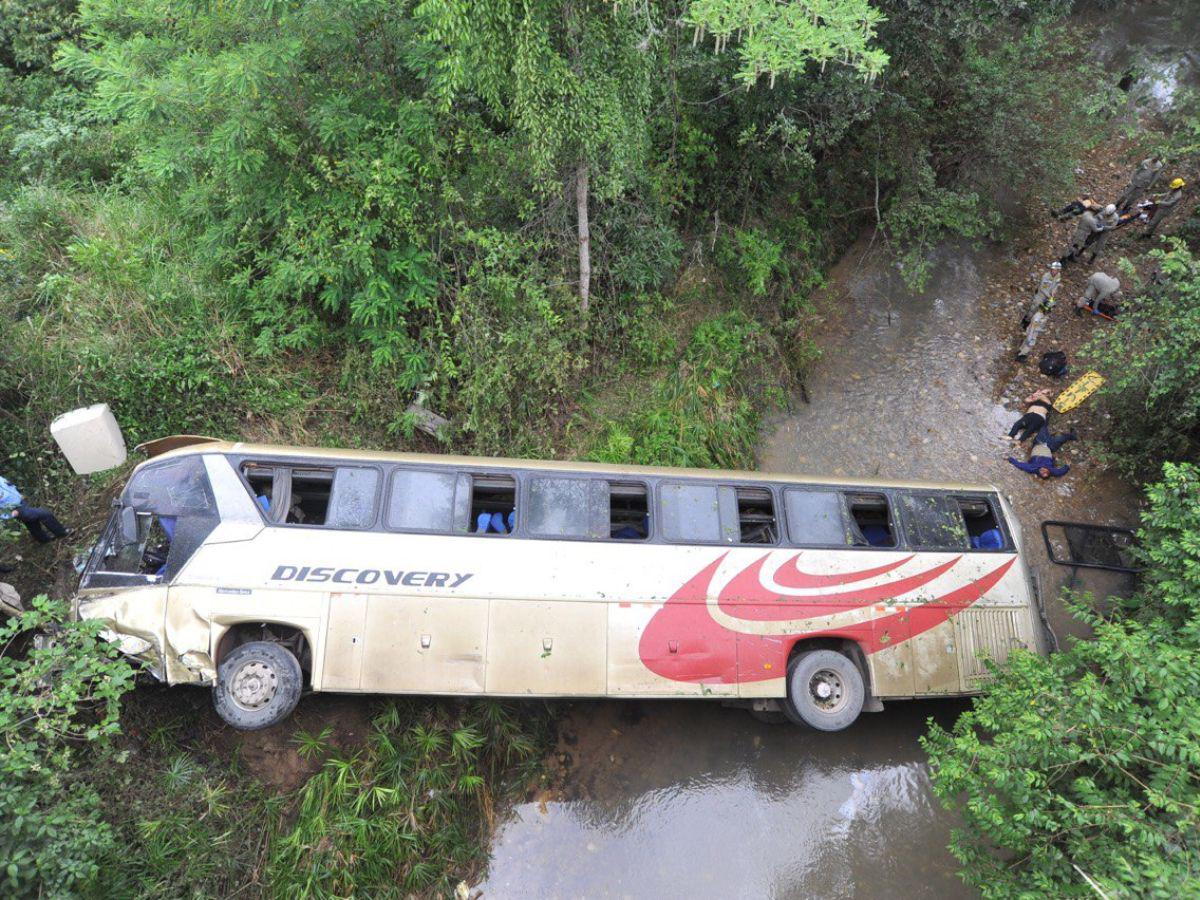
(126, 643)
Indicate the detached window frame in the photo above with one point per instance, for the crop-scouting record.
(283, 473)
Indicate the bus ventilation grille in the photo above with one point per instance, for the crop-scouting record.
(986, 633)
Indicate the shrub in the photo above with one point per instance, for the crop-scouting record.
(1078, 774)
(59, 708)
(1151, 358)
(405, 815)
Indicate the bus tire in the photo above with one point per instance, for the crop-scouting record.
(258, 685)
(825, 690)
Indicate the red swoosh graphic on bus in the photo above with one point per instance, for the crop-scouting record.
(789, 575)
(745, 596)
(683, 642)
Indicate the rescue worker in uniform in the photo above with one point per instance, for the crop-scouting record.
(1037, 324)
(1088, 225)
(1109, 220)
(1164, 205)
(1100, 287)
(1140, 182)
(1043, 298)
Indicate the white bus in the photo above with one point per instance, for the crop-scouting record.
(267, 571)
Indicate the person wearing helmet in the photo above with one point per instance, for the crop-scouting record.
(1164, 205)
(1088, 225)
(1043, 298)
(1141, 181)
(1109, 220)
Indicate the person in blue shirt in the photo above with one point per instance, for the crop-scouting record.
(1041, 457)
(35, 518)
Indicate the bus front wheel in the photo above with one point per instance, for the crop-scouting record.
(258, 685)
(825, 690)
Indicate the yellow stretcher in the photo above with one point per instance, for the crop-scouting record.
(1083, 387)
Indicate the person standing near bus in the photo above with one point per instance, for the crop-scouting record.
(41, 524)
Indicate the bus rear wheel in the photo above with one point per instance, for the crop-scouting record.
(258, 685)
(825, 690)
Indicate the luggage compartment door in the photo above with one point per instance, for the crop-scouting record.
(426, 645)
(344, 639)
(548, 648)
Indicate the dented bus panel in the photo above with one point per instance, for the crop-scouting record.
(264, 571)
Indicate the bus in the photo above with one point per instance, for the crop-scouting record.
(265, 572)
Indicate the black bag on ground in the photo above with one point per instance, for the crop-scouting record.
(1054, 363)
(1108, 308)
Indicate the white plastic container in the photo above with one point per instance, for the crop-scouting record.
(90, 439)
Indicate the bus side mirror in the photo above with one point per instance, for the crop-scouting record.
(129, 526)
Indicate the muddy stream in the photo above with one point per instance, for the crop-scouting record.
(678, 798)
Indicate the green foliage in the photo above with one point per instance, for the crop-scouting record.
(30, 31)
(776, 37)
(705, 412)
(1078, 774)
(753, 257)
(1169, 546)
(106, 305)
(403, 816)
(1151, 358)
(59, 708)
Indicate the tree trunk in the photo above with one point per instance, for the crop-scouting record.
(585, 239)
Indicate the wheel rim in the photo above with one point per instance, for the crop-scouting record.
(253, 685)
(827, 690)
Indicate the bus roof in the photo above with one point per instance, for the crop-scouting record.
(478, 462)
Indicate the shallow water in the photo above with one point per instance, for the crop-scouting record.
(672, 798)
(711, 803)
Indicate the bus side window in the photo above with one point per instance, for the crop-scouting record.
(870, 520)
(422, 500)
(690, 512)
(351, 502)
(568, 507)
(756, 516)
(982, 523)
(310, 496)
(261, 479)
(814, 517)
(628, 511)
(934, 522)
(493, 504)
